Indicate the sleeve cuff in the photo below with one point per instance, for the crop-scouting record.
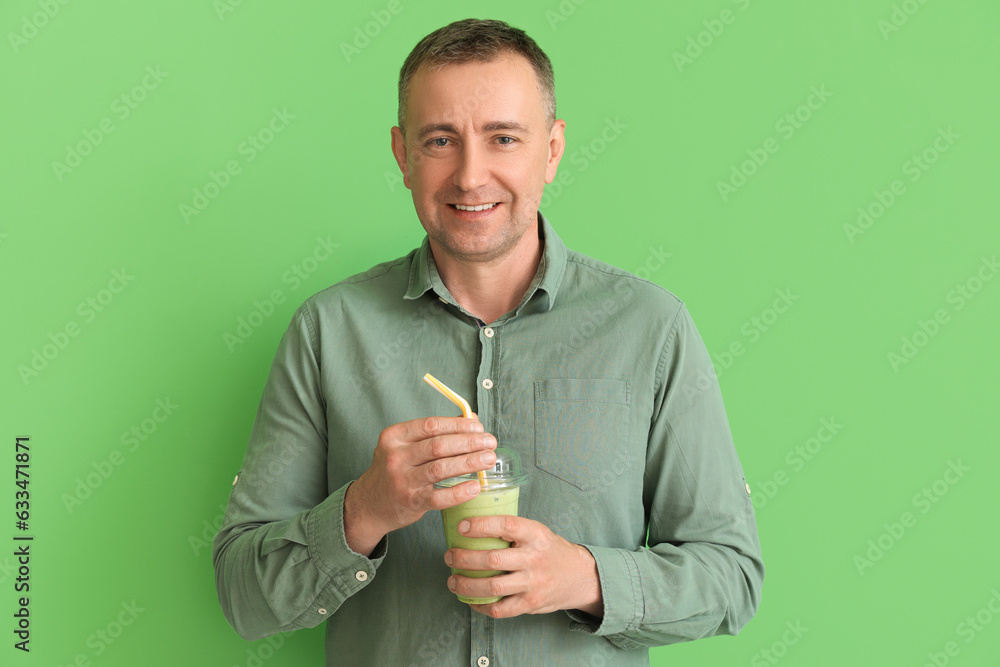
(348, 570)
(623, 602)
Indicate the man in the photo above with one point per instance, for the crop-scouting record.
(636, 528)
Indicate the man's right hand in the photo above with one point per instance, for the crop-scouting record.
(398, 487)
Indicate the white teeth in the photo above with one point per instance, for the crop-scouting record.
(481, 207)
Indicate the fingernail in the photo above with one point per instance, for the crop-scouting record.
(463, 526)
(490, 441)
(487, 458)
(477, 427)
(451, 583)
(447, 558)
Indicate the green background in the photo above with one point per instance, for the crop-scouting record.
(891, 89)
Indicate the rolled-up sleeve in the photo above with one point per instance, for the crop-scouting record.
(281, 558)
(700, 572)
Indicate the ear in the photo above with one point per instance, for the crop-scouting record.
(399, 152)
(557, 144)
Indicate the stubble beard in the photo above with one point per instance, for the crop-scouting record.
(499, 245)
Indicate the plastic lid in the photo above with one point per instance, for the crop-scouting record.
(506, 472)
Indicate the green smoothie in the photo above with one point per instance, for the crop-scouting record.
(504, 482)
(489, 502)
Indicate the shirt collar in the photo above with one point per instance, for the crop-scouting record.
(424, 275)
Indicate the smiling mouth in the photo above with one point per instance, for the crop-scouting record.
(476, 207)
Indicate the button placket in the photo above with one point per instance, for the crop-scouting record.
(482, 629)
(488, 340)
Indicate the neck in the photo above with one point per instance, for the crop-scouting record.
(488, 290)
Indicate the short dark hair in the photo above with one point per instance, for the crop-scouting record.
(476, 40)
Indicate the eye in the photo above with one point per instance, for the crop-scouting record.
(438, 142)
(506, 141)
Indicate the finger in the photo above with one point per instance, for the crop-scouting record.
(455, 495)
(438, 469)
(454, 444)
(488, 587)
(506, 560)
(416, 430)
(505, 526)
(509, 607)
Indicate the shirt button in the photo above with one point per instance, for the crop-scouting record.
(322, 611)
(748, 488)
(487, 383)
(489, 332)
(361, 575)
(483, 661)
(236, 480)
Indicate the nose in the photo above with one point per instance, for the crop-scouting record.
(472, 171)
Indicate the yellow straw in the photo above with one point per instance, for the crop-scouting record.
(460, 402)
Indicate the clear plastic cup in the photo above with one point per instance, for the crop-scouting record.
(503, 486)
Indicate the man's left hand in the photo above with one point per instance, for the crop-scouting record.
(545, 572)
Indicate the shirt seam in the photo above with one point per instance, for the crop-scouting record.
(668, 345)
(578, 258)
(638, 602)
(363, 277)
(313, 333)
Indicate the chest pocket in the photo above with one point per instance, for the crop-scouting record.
(581, 429)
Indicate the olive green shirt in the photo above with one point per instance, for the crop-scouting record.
(602, 384)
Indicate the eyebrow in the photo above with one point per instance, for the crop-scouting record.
(492, 126)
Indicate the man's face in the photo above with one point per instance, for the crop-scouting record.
(477, 134)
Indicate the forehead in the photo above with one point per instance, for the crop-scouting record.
(506, 87)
